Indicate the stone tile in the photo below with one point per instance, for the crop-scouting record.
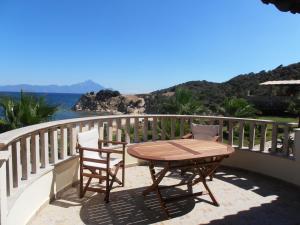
(244, 197)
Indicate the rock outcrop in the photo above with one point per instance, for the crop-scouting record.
(112, 102)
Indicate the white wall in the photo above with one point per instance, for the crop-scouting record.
(42, 190)
(273, 166)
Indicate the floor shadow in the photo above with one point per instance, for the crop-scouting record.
(284, 210)
(130, 207)
(260, 184)
(258, 200)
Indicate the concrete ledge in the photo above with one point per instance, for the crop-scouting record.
(278, 167)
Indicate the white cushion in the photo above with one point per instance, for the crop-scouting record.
(89, 139)
(204, 132)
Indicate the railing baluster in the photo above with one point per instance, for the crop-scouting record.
(241, 134)
(16, 158)
(136, 130)
(154, 129)
(220, 131)
(86, 126)
(101, 130)
(210, 122)
(145, 129)
(3, 188)
(9, 172)
(110, 130)
(25, 157)
(91, 125)
(263, 137)
(81, 127)
(119, 129)
(163, 128)
(230, 133)
(127, 130)
(173, 121)
(274, 137)
(53, 146)
(251, 135)
(44, 149)
(286, 140)
(182, 121)
(63, 151)
(96, 124)
(73, 130)
(35, 153)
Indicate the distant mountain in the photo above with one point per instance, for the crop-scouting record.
(79, 88)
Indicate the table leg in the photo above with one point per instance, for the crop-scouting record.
(154, 186)
(203, 173)
(155, 178)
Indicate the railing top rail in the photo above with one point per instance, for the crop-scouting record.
(8, 137)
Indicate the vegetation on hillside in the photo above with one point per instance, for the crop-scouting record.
(27, 110)
(212, 95)
(183, 103)
(238, 107)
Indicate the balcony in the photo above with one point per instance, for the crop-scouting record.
(258, 184)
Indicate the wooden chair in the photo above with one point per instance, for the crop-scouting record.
(203, 132)
(94, 158)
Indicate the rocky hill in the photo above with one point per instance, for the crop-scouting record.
(112, 102)
(211, 94)
(241, 85)
(244, 86)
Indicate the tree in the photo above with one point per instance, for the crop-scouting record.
(238, 107)
(25, 111)
(183, 102)
(294, 108)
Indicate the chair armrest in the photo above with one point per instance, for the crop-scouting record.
(187, 136)
(113, 142)
(100, 150)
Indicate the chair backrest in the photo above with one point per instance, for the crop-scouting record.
(204, 132)
(89, 139)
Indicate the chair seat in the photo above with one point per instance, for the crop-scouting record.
(112, 163)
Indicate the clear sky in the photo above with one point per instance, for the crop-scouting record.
(142, 45)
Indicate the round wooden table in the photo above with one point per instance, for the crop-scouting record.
(200, 157)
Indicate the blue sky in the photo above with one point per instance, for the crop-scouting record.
(142, 45)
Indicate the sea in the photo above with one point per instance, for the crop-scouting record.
(64, 101)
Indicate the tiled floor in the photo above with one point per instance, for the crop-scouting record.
(245, 198)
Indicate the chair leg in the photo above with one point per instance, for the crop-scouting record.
(100, 173)
(106, 199)
(81, 184)
(123, 174)
(182, 172)
(113, 179)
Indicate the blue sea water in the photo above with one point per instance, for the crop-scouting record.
(65, 102)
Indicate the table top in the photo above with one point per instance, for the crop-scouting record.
(181, 149)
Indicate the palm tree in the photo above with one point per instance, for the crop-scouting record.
(183, 102)
(238, 107)
(26, 110)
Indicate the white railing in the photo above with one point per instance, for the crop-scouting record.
(31, 150)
